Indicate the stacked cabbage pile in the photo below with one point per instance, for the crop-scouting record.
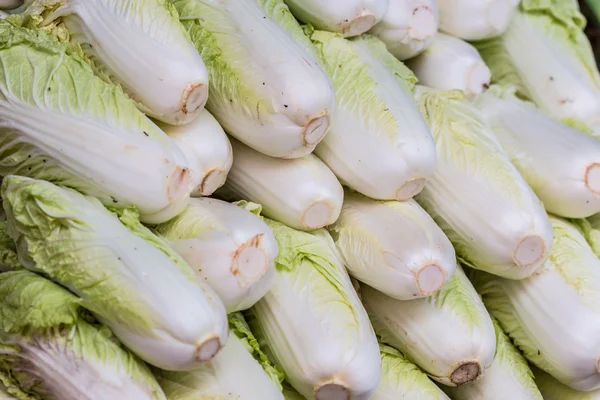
(258, 200)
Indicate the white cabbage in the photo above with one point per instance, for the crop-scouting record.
(129, 278)
(476, 19)
(463, 67)
(378, 144)
(395, 247)
(560, 163)
(449, 335)
(478, 198)
(228, 247)
(302, 193)
(348, 17)
(546, 55)
(312, 322)
(207, 149)
(408, 27)
(265, 89)
(138, 44)
(554, 390)
(553, 317)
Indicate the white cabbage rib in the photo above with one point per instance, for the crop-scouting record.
(474, 177)
(476, 19)
(378, 144)
(408, 27)
(228, 247)
(464, 68)
(302, 193)
(348, 17)
(449, 335)
(265, 89)
(395, 247)
(561, 164)
(553, 317)
(207, 149)
(140, 45)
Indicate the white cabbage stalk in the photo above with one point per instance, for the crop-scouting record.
(547, 56)
(51, 351)
(240, 371)
(60, 123)
(449, 335)
(264, 88)
(393, 246)
(474, 176)
(378, 144)
(553, 317)
(347, 17)
(129, 278)
(476, 19)
(228, 247)
(554, 390)
(464, 68)
(408, 27)
(302, 193)
(138, 44)
(509, 377)
(207, 149)
(312, 322)
(561, 164)
(401, 379)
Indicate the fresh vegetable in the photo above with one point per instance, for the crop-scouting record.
(553, 317)
(463, 67)
(476, 19)
(51, 350)
(312, 322)
(129, 278)
(408, 27)
(590, 229)
(138, 44)
(503, 229)
(302, 193)
(228, 247)
(62, 124)
(378, 145)
(240, 371)
(207, 150)
(561, 164)
(401, 379)
(395, 247)
(546, 55)
(347, 17)
(264, 88)
(554, 390)
(509, 377)
(449, 335)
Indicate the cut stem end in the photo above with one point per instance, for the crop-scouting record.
(465, 373)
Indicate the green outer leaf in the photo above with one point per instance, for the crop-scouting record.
(398, 371)
(29, 301)
(51, 226)
(590, 232)
(457, 295)
(8, 251)
(352, 83)
(563, 18)
(514, 361)
(238, 325)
